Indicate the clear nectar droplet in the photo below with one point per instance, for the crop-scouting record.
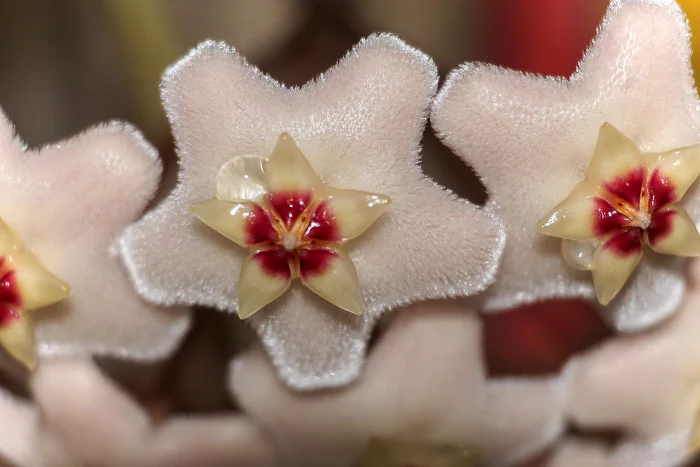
(578, 254)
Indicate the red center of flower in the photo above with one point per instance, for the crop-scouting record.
(629, 206)
(293, 234)
(10, 299)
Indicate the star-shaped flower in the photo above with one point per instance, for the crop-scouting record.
(61, 209)
(425, 383)
(531, 139)
(628, 199)
(360, 126)
(295, 228)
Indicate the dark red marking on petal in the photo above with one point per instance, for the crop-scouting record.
(540, 338)
(628, 187)
(274, 263)
(258, 227)
(315, 261)
(661, 191)
(7, 316)
(660, 226)
(606, 218)
(323, 225)
(9, 289)
(625, 242)
(289, 204)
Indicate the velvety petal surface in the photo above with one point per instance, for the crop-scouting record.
(532, 138)
(67, 202)
(424, 382)
(359, 125)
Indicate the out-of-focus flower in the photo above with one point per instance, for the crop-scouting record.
(359, 125)
(66, 204)
(80, 418)
(425, 382)
(531, 139)
(646, 384)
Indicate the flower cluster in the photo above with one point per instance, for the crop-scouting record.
(322, 184)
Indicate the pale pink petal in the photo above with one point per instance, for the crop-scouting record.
(75, 400)
(359, 125)
(574, 452)
(644, 383)
(424, 381)
(532, 138)
(17, 440)
(67, 202)
(669, 450)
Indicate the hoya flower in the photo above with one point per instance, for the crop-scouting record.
(628, 199)
(359, 125)
(531, 138)
(644, 385)
(61, 209)
(295, 229)
(425, 383)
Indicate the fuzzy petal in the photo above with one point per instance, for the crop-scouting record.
(345, 214)
(359, 125)
(17, 337)
(531, 139)
(299, 323)
(67, 203)
(673, 232)
(401, 395)
(265, 276)
(330, 274)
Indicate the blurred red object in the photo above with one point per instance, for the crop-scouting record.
(540, 338)
(547, 37)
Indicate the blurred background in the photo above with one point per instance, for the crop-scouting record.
(66, 65)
